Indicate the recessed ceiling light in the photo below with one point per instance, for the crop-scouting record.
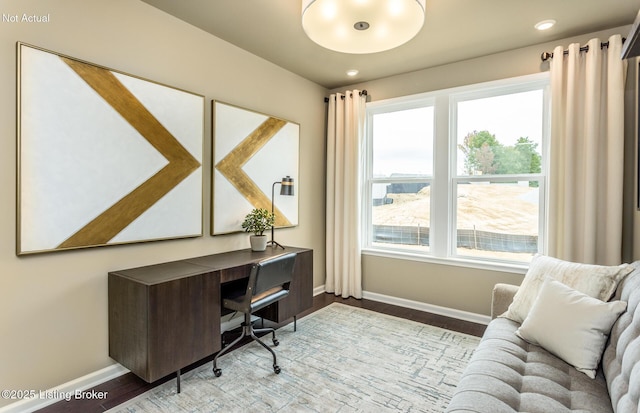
(352, 72)
(545, 24)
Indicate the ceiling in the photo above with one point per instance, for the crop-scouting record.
(454, 30)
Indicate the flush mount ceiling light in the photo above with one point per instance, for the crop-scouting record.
(362, 26)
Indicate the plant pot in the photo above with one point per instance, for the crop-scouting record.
(258, 242)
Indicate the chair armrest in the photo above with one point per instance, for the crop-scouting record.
(501, 298)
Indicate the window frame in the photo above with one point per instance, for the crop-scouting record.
(444, 180)
(373, 109)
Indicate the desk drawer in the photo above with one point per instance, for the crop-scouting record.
(236, 273)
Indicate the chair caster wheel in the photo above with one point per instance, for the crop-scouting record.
(275, 342)
(276, 369)
(217, 372)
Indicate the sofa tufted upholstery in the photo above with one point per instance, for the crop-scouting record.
(506, 374)
(621, 359)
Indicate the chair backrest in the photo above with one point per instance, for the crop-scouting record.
(270, 273)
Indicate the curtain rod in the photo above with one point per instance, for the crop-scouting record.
(362, 93)
(546, 55)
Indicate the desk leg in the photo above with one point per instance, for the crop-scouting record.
(178, 380)
(295, 326)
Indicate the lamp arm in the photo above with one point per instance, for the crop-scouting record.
(273, 188)
(288, 182)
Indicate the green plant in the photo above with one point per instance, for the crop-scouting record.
(258, 221)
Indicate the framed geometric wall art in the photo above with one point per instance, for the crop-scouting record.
(103, 157)
(251, 151)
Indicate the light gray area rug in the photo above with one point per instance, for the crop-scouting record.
(341, 359)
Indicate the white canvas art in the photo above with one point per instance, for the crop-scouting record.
(104, 157)
(251, 151)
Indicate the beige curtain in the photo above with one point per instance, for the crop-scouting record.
(586, 152)
(345, 137)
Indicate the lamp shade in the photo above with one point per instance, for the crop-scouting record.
(286, 187)
(362, 26)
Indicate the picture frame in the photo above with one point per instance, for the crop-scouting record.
(103, 157)
(250, 152)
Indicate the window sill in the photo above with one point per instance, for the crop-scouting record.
(510, 267)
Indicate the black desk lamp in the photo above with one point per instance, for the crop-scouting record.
(286, 188)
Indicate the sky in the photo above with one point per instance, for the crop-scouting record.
(508, 117)
(408, 134)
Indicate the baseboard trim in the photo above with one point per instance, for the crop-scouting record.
(318, 290)
(429, 308)
(66, 390)
(417, 305)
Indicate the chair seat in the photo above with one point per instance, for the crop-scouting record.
(258, 302)
(266, 293)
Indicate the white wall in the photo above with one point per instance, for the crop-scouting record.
(53, 307)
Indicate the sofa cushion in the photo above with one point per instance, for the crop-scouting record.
(597, 281)
(621, 359)
(571, 325)
(507, 374)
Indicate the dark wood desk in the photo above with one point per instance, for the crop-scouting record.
(164, 317)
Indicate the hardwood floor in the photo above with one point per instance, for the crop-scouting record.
(129, 386)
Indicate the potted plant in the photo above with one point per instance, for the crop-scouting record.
(258, 221)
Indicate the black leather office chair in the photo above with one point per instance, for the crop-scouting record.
(268, 282)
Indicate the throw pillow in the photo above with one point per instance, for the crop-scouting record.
(571, 325)
(597, 281)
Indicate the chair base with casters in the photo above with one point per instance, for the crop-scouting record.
(249, 331)
(268, 283)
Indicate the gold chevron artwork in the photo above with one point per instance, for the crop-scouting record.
(174, 165)
(232, 165)
(181, 163)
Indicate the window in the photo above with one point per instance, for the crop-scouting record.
(459, 173)
(400, 210)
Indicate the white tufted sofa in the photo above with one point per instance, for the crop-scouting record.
(506, 374)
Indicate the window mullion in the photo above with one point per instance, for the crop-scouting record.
(439, 232)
